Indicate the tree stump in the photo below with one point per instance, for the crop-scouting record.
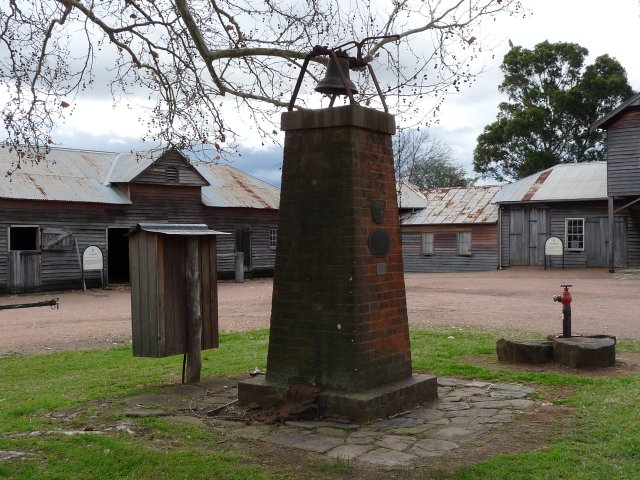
(524, 351)
(581, 352)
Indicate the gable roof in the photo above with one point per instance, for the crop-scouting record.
(565, 181)
(609, 118)
(230, 187)
(456, 205)
(127, 167)
(68, 175)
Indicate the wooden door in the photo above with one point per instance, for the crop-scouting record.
(595, 246)
(517, 238)
(24, 271)
(620, 242)
(596, 242)
(538, 234)
(528, 230)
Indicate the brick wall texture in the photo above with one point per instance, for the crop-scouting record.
(339, 315)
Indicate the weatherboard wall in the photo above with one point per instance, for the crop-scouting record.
(88, 223)
(445, 257)
(530, 251)
(623, 155)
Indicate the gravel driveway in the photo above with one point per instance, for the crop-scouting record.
(518, 298)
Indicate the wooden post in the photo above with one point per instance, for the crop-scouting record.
(194, 311)
(610, 245)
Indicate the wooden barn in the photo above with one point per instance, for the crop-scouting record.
(568, 201)
(449, 229)
(52, 210)
(623, 180)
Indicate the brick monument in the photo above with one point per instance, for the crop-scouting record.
(339, 314)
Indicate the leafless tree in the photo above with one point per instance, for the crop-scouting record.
(426, 161)
(195, 61)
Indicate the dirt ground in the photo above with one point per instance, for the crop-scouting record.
(518, 298)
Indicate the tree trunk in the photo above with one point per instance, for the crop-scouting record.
(194, 312)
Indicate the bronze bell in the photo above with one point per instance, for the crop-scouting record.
(332, 83)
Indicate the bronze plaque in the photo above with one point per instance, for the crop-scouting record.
(379, 243)
(377, 211)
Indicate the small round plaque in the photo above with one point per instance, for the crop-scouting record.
(377, 211)
(379, 243)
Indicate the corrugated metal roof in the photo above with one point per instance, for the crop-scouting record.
(65, 175)
(229, 187)
(456, 205)
(566, 181)
(83, 176)
(127, 166)
(409, 196)
(178, 229)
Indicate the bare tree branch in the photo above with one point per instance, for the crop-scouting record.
(198, 64)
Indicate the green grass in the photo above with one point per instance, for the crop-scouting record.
(602, 440)
(35, 384)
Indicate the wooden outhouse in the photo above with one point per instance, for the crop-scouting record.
(158, 287)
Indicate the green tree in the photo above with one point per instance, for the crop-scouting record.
(553, 101)
(426, 161)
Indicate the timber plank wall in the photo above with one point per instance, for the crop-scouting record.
(623, 155)
(484, 248)
(627, 225)
(60, 268)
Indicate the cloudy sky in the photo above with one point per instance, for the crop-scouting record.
(602, 27)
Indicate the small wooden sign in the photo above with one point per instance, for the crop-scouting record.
(92, 259)
(553, 246)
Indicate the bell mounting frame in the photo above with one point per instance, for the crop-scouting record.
(357, 62)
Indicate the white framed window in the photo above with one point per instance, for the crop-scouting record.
(426, 244)
(574, 234)
(273, 237)
(464, 243)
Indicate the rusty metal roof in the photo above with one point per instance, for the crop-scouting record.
(65, 175)
(69, 175)
(456, 205)
(410, 196)
(229, 187)
(566, 181)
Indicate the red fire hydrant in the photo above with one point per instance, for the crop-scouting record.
(565, 298)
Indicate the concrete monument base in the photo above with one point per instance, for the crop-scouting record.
(374, 402)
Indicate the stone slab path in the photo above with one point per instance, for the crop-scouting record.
(464, 412)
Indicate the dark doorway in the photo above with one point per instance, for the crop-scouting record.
(118, 255)
(243, 244)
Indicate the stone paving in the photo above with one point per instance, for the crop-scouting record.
(464, 412)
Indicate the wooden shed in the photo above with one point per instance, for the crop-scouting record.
(450, 229)
(158, 288)
(568, 201)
